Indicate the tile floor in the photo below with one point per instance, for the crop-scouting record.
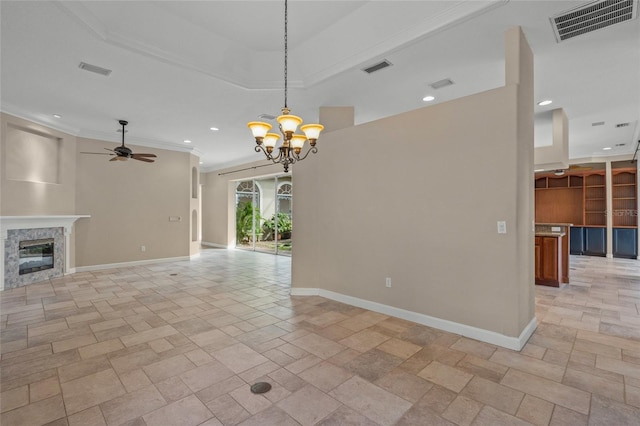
(179, 343)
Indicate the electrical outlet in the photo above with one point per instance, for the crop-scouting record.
(388, 282)
(143, 248)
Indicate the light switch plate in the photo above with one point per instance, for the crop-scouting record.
(502, 227)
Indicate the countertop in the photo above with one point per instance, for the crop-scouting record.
(554, 224)
(550, 234)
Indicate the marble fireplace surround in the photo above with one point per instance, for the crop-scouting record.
(66, 222)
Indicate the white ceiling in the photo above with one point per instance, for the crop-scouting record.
(181, 67)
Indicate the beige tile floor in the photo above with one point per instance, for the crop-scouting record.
(180, 343)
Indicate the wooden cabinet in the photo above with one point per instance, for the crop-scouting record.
(548, 260)
(580, 198)
(577, 240)
(625, 243)
(595, 241)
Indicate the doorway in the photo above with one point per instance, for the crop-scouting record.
(264, 213)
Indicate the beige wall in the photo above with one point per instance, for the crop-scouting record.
(518, 52)
(23, 142)
(218, 199)
(382, 199)
(555, 156)
(130, 203)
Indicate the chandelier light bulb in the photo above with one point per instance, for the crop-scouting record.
(312, 131)
(289, 123)
(297, 142)
(259, 129)
(270, 141)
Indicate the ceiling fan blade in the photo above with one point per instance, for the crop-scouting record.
(109, 150)
(145, 155)
(97, 153)
(146, 160)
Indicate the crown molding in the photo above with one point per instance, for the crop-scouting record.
(150, 143)
(40, 119)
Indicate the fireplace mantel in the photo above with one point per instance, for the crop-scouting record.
(31, 222)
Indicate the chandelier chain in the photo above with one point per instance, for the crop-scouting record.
(286, 20)
(290, 151)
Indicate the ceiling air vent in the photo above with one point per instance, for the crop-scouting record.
(441, 83)
(377, 67)
(622, 125)
(94, 68)
(598, 123)
(267, 116)
(591, 17)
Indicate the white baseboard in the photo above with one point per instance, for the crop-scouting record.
(70, 271)
(129, 264)
(214, 245)
(509, 342)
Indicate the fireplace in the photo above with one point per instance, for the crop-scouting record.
(35, 255)
(35, 248)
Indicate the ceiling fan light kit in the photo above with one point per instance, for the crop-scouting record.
(122, 153)
(292, 144)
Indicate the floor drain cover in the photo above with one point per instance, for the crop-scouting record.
(260, 387)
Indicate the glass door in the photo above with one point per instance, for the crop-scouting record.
(264, 215)
(284, 208)
(265, 242)
(247, 214)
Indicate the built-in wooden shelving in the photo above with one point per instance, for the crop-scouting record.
(625, 203)
(581, 198)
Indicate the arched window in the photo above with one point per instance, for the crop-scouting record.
(245, 193)
(284, 198)
(284, 189)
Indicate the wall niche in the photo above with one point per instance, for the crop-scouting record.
(32, 156)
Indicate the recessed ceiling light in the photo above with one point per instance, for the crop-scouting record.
(545, 102)
(57, 115)
(606, 148)
(428, 98)
(187, 141)
(215, 129)
(202, 162)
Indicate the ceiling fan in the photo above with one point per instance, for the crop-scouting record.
(123, 153)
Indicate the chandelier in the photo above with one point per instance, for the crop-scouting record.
(289, 151)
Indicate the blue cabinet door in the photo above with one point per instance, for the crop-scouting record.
(576, 242)
(625, 242)
(595, 241)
